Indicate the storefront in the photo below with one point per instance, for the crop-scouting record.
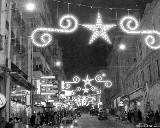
(125, 100)
(20, 103)
(136, 100)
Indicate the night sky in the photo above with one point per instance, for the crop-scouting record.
(79, 57)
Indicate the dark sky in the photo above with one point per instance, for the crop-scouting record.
(80, 58)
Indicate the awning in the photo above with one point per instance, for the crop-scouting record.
(19, 79)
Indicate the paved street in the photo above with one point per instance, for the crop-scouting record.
(87, 121)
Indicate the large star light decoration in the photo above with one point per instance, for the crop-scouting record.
(99, 30)
(87, 81)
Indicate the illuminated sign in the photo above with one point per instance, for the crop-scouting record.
(2, 100)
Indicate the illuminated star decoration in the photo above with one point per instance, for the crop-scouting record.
(87, 81)
(86, 90)
(99, 30)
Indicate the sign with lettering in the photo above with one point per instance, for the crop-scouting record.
(2, 100)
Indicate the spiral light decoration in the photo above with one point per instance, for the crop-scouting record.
(130, 25)
(76, 79)
(98, 78)
(71, 24)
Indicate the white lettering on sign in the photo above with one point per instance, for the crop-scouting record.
(2, 100)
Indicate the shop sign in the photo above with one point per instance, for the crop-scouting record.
(2, 100)
(55, 86)
(121, 103)
(49, 85)
(115, 103)
(49, 90)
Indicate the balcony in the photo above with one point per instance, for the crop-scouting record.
(40, 66)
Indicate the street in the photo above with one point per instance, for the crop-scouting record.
(87, 121)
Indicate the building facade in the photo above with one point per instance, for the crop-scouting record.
(20, 62)
(141, 84)
(119, 63)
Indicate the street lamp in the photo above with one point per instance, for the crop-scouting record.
(30, 6)
(122, 47)
(58, 63)
(104, 74)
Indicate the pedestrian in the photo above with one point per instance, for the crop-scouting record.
(20, 124)
(157, 116)
(32, 120)
(152, 118)
(2, 122)
(10, 124)
(37, 120)
(139, 116)
(132, 116)
(147, 117)
(41, 119)
(15, 122)
(129, 116)
(118, 114)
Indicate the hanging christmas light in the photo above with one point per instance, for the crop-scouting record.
(130, 25)
(99, 79)
(87, 81)
(78, 89)
(76, 80)
(85, 90)
(99, 30)
(46, 39)
(93, 88)
(67, 28)
(108, 84)
(67, 86)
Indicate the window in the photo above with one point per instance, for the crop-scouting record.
(133, 83)
(157, 63)
(137, 81)
(150, 73)
(7, 25)
(142, 77)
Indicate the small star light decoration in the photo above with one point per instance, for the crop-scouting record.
(99, 30)
(87, 81)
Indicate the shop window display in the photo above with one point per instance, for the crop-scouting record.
(18, 102)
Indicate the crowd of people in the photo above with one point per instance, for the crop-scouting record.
(49, 118)
(14, 123)
(151, 118)
(52, 118)
(135, 116)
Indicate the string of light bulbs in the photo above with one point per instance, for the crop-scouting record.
(92, 6)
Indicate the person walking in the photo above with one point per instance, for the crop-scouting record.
(2, 122)
(15, 122)
(10, 124)
(157, 117)
(32, 120)
(37, 120)
(152, 118)
(129, 116)
(20, 124)
(139, 116)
